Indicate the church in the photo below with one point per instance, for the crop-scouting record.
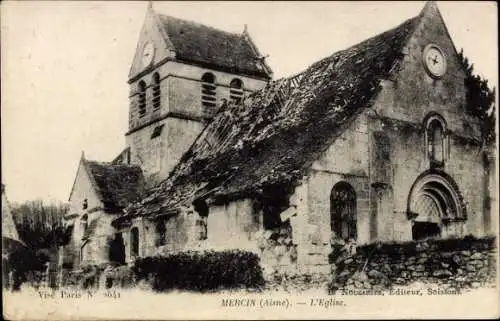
(370, 144)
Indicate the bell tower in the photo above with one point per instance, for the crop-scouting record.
(180, 74)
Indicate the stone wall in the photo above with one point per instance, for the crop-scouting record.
(346, 160)
(180, 86)
(454, 264)
(185, 88)
(278, 253)
(237, 225)
(396, 127)
(233, 226)
(96, 249)
(158, 155)
(406, 161)
(412, 93)
(82, 189)
(147, 236)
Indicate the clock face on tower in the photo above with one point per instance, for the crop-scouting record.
(147, 54)
(434, 61)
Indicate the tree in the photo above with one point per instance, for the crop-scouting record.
(480, 100)
(39, 225)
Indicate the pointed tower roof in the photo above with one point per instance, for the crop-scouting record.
(198, 44)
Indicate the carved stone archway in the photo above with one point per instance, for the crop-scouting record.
(434, 201)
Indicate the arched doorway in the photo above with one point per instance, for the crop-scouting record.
(343, 216)
(434, 201)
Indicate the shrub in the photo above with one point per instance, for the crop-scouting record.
(90, 276)
(200, 271)
(120, 276)
(25, 265)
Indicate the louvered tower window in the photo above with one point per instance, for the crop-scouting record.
(142, 98)
(156, 91)
(208, 91)
(236, 90)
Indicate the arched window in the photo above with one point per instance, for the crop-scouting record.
(156, 91)
(236, 90)
(160, 233)
(343, 211)
(201, 207)
(84, 222)
(83, 250)
(134, 242)
(142, 98)
(436, 140)
(208, 91)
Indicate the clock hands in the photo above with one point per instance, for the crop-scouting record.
(435, 60)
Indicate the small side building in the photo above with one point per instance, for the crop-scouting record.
(100, 193)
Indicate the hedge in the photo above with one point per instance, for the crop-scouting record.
(200, 271)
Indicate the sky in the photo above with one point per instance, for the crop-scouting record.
(65, 66)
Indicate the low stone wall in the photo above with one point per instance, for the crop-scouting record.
(454, 264)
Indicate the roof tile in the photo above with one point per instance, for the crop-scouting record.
(117, 184)
(205, 45)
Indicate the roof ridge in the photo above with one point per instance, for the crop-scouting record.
(408, 35)
(96, 161)
(110, 163)
(201, 25)
(367, 40)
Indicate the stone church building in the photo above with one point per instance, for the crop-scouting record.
(372, 143)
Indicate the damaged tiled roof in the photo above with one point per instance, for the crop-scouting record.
(198, 43)
(273, 137)
(117, 184)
